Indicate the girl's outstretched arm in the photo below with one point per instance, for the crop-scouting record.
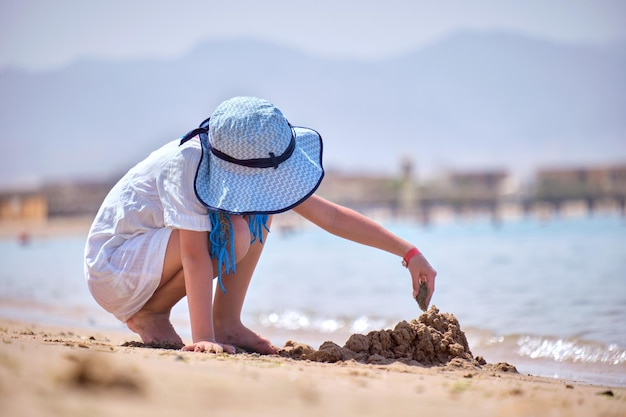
(351, 225)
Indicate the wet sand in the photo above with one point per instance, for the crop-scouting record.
(54, 371)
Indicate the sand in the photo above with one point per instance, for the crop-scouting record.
(434, 339)
(48, 371)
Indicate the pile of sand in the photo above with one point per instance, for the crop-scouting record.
(433, 339)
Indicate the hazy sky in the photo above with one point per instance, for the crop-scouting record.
(43, 34)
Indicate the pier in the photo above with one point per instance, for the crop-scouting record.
(458, 194)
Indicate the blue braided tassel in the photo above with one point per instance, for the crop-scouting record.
(222, 240)
(221, 236)
(258, 224)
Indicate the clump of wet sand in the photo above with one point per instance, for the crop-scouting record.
(433, 339)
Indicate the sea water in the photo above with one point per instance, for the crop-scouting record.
(548, 296)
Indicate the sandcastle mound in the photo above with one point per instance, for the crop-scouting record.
(433, 339)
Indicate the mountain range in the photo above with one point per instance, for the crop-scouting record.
(473, 100)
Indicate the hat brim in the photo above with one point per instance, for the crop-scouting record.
(236, 189)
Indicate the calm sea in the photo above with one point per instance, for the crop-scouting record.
(548, 296)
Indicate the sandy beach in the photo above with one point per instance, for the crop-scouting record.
(48, 371)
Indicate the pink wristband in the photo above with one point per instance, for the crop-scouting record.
(411, 253)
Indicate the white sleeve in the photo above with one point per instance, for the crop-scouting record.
(175, 185)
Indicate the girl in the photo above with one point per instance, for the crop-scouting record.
(200, 207)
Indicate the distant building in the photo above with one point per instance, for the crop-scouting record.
(477, 189)
(581, 183)
(75, 199)
(23, 205)
(54, 200)
(360, 191)
(408, 191)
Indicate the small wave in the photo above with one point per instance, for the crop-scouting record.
(551, 348)
(564, 350)
(298, 320)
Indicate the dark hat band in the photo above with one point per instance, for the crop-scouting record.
(272, 162)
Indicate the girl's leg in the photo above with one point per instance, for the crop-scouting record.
(227, 307)
(152, 322)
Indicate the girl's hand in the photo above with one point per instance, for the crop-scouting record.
(209, 347)
(421, 271)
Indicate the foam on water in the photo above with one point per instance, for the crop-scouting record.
(561, 350)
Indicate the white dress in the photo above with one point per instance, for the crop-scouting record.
(127, 241)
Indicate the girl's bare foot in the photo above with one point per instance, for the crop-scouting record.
(240, 336)
(155, 328)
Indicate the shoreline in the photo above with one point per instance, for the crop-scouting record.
(45, 228)
(58, 370)
(86, 320)
(285, 223)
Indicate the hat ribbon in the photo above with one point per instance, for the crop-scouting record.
(272, 162)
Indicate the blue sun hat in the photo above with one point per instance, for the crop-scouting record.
(255, 163)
